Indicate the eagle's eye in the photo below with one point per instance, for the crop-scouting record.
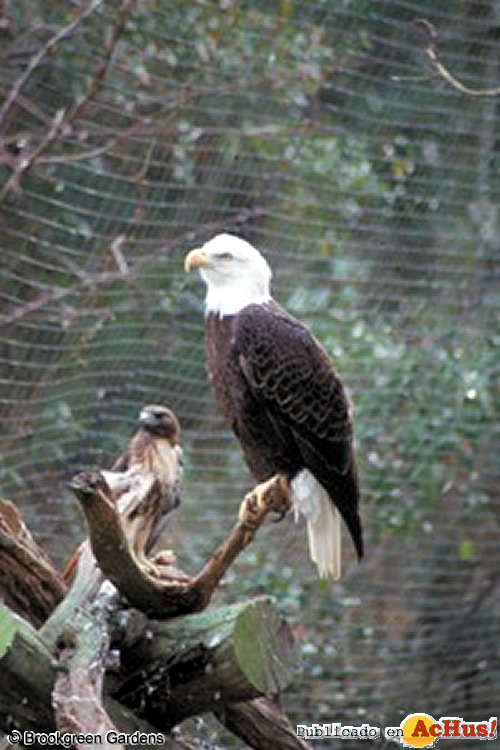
(223, 256)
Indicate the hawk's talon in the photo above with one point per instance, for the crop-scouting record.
(165, 557)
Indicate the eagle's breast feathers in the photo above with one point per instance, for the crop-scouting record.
(262, 360)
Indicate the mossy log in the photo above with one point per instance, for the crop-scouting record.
(27, 674)
(204, 661)
(168, 670)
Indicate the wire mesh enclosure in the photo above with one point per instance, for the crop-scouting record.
(357, 145)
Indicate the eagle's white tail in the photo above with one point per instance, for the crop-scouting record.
(323, 523)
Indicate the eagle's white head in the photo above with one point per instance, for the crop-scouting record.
(235, 273)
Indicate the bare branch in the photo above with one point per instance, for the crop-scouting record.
(109, 49)
(62, 120)
(54, 295)
(44, 52)
(442, 72)
(93, 152)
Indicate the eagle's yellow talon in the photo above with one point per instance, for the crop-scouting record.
(273, 495)
(248, 509)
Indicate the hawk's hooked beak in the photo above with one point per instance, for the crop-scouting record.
(196, 258)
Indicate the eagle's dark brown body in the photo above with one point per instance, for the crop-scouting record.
(280, 394)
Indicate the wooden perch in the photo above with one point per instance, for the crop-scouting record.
(29, 584)
(231, 661)
(272, 496)
(83, 646)
(168, 671)
(27, 674)
(261, 723)
(162, 590)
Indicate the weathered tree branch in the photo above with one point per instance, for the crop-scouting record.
(77, 696)
(261, 723)
(164, 591)
(29, 584)
(28, 674)
(441, 70)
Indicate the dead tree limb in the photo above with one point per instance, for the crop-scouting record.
(441, 70)
(83, 647)
(28, 674)
(29, 584)
(47, 49)
(261, 723)
(63, 120)
(163, 590)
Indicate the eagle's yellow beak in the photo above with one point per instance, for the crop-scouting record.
(196, 258)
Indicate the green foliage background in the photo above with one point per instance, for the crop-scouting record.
(320, 132)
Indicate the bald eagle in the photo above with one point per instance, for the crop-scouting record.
(279, 392)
